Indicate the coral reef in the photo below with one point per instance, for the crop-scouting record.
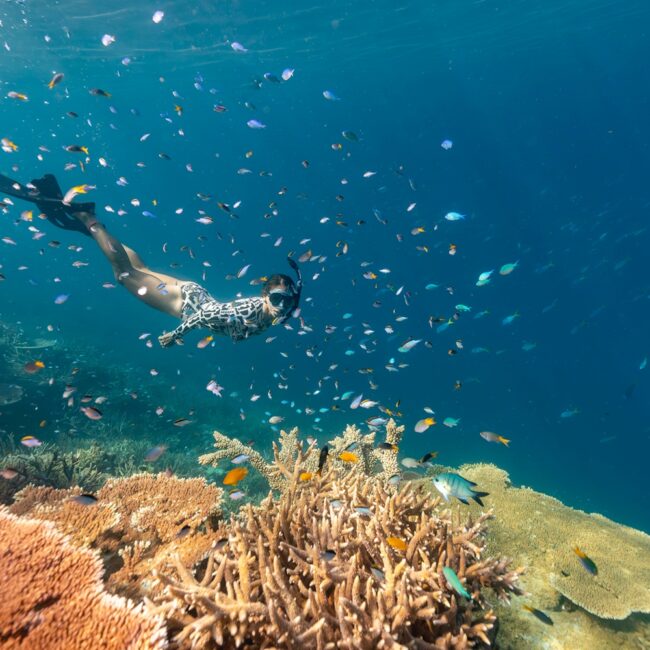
(135, 522)
(54, 598)
(540, 532)
(375, 463)
(336, 561)
(48, 465)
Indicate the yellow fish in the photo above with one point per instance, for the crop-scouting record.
(305, 476)
(397, 543)
(349, 457)
(235, 475)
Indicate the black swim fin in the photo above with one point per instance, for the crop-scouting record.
(46, 194)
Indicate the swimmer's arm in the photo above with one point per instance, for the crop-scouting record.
(169, 338)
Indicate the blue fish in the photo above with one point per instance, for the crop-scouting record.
(454, 485)
(455, 583)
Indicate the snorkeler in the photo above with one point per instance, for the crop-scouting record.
(186, 300)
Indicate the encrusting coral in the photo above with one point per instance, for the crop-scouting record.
(53, 595)
(339, 560)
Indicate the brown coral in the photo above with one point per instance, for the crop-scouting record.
(135, 519)
(54, 598)
(315, 568)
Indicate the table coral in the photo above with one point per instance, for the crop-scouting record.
(542, 532)
(54, 597)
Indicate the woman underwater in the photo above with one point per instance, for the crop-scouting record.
(185, 300)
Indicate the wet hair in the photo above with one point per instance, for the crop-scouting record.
(281, 282)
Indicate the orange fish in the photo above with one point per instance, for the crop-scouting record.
(349, 457)
(305, 476)
(234, 476)
(33, 366)
(397, 543)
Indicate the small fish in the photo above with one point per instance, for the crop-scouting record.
(91, 412)
(356, 401)
(539, 615)
(56, 79)
(240, 458)
(328, 555)
(238, 47)
(397, 543)
(493, 437)
(12, 94)
(275, 419)
(204, 342)
(235, 475)
(75, 148)
(408, 345)
(182, 422)
(394, 479)
(446, 144)
(85, 499)
(411, 463)
(236, 494)
(75, 191)
(427, 457)
(255, 124)
(451, 422)
(588, 564)
(422, 425)
(155, 453)
(363, 510)
(30, 441)
(330, 96)
(454, 485)
(455, 583)
(322, 458)
(305, 476)
(350, 135)
(33, 366)
(387, 446)
(60, 299)
(377, 573)
(9, 473)
(507, 269)
(509, 319)
(98, 92)
(454, 216)
(349, 457)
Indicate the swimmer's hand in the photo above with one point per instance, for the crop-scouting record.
(167, 339)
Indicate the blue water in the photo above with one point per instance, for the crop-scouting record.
(546, 104)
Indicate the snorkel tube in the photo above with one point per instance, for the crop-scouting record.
(297, 292)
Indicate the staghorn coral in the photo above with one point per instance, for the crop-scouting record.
(56, 600)
(314, 568)
(373, 463)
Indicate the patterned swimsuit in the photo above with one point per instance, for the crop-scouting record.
(238, 319)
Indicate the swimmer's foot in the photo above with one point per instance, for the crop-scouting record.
(46, 194)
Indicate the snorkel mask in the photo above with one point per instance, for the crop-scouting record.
(287, 300)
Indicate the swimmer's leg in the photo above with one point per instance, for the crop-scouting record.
(131, 272)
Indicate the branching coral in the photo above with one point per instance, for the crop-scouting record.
(375, 463)
(54, 596)
(336, 561)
